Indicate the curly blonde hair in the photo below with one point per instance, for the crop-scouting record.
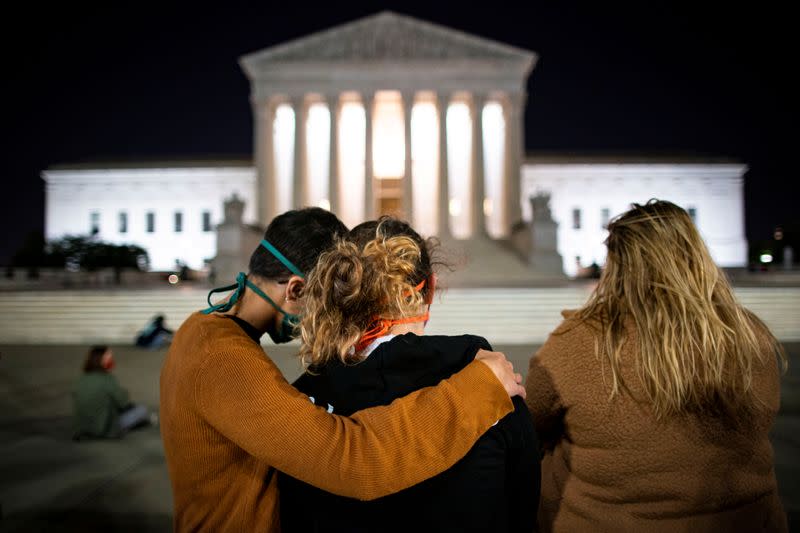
(371, 274)
(697, 344)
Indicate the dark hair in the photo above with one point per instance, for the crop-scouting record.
(94, 359)
(393, 227)
(301, 236)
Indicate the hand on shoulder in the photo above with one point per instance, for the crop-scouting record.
(504, 370)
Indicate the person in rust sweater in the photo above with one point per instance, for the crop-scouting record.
(656, 398)
(229, 419)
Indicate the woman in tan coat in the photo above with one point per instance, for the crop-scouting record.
(654, 401)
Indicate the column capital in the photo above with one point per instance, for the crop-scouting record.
(443, 96)
(479, 98)
(333, 99)
(368, 98)
(476, 103)
(264, 107)
(298, 100)
(515, 101)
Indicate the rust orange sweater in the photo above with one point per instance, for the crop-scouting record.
(229, 420)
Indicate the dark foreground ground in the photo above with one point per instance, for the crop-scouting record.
(50, 483)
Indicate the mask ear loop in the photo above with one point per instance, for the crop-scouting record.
(242, 282)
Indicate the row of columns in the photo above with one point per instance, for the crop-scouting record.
(512, 114)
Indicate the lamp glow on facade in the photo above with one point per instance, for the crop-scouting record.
(283, 127)
(494, 133)
(388, 136)
(352, 122)
(318, 126)
(424, 153)
(459, 166)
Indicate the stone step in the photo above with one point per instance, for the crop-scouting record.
(504, 316)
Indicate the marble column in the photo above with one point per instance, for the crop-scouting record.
(333, 160)
(408, 177)
(442, 102)
(369, 195)
(264, 112)
(477, 185)
(512, 115)
(299, 189)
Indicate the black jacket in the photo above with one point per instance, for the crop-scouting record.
(495, 487)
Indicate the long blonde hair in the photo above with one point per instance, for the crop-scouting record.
(697, 344)
(371, 274)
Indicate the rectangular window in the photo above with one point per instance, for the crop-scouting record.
(693, 214)
(206, 220)
(150, 218)
(605, 214)
(94, 223)
(576, 218)
(123, 222)
(178, 222)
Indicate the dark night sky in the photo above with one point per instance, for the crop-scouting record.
(150, 81)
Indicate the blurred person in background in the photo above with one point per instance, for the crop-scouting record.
(102, 408)
(155, 334)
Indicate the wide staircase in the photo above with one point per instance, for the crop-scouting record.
(504, 316)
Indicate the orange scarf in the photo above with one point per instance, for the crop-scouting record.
(382, 326)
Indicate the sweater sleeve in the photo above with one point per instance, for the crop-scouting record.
(542, 395)
(376, 452)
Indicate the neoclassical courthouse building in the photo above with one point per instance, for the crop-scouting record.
(390, 114)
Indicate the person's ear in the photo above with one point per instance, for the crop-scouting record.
(431, 289)
(294, 288)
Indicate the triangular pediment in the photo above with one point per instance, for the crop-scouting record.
(387, 37)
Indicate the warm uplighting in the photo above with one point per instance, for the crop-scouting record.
(424, 141)
(459, 166)
(351, 162)
(488, 207)
(283, 131)
(318, 127)
(388, 136)
(494, 138)
(455, 207)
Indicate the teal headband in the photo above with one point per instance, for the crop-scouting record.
(280, 257)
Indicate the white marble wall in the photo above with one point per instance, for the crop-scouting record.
(72, 195)
(714, 191)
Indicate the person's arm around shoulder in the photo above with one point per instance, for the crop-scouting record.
(375, 452)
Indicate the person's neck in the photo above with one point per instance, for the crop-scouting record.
(417, 328)
(255, 311)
